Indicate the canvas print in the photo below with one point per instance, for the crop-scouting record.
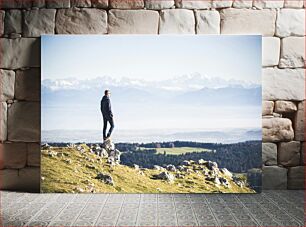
(151, 114)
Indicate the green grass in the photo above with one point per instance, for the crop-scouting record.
(178, 150)
(60, 176)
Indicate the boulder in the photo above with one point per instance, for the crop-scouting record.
(186, 163)
(81, 21)
(226, 172)
(269, 154)
(285, 106)
(171, 168)
(107, 179)
(289, 153)
(211, 165)
(201, 161)
(165, 176)
(277, 129)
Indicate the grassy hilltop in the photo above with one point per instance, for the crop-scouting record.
(66, 169)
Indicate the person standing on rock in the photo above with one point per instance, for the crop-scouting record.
(107, 114)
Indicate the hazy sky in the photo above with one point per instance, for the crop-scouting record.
(151, 57)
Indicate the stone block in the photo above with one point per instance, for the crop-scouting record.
(267, 108)
(221, 3)
(24, 122)
(240, 4)
(13, 155)
(15, 4)
(38, 22)
(7, 84)
(296, 176)
(248, 21)
(293, 4)
(2, 16)
(39, 3)
(270, 51)
(208, 22)
(293, 52)
(263, 4)
(27, 85)
(283, 84)
(290, 22)
(20, 53)
(303, 157)
(299, 122)
(274, 177)
(103, 4)
(191, 4)
(3, 122)
(159, 4)
(13, 21)
(289, 153)
(133, 22)
(80, 3)
(269, 154)
(25, 180)
(126, 4)
(277, 129)
(34, 154)
(177, 21)
(56, 4)
(285, 106)
(81, 21)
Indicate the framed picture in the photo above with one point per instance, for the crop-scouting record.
(151, 114)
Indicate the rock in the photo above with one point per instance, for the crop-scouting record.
(274, 177)
(223, 181)
(290, 22)
(133, 22)
(178, 21)
(239, 181)
(13, 155)
(27, 86)
(55, 4)
(299, 122)
(108, 145)
(296, 178)
(90, 167)
(158, 5)
(107, 179)
(186, 163)
(24, 122)
(303, 159)
(277, 129)
(289, 153)
(270, 51)
(20, 53)
(215, 180)
(79, 190)
(211, 165)
(171, 168)
(136, 167)
(80, 3)
(181, 168)
(226, 172)
(263, 4)
(156, 167)
(2, 15)
(208, 22)
(33, 155)
(13, 22)
(3, 122)
(283, 84)
(248, 21)
(179, 176)
(191, 4)
(7, 84)
(285, 106)
(99, 3)
(242, 4)
(269, 154)
(15, 4)
(68, 161)
(165, 176)
(293, 4)
(38, 22)
(201, 162)
(267, 107)
(293, 52)
(126, 4)
(38, 4)
(81, 21)
(103, 153)
(222, 3)
(188, 170)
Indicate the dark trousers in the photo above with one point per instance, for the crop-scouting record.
(111, 122)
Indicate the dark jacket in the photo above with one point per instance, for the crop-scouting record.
(105, 107)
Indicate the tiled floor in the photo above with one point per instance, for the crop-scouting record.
(270, 208)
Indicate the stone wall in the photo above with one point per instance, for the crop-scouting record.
(281, 22)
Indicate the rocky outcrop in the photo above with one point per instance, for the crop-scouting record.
(165, 176)
(107, 179)
(113, 153)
